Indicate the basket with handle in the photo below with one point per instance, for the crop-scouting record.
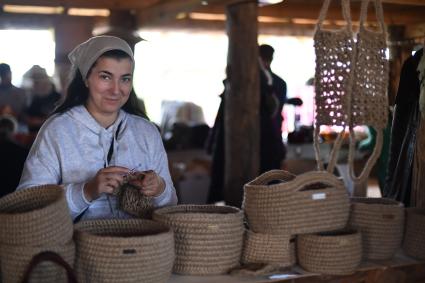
(307, 203)
(15, 260)
(381, 222)
(36, 216)
(208, 238)
(414, 237)
(269, 249)
(124, 250)
(336, 252)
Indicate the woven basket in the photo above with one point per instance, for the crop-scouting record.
(381, 222)
(37, 216)
(269, 249)
(208, 238)
(15, 259)
(308, 203)
(131, 250)
(414, 238)
(338, 252)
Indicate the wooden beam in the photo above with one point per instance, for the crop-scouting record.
(93, 4)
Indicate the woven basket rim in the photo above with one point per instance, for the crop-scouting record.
(416, 211)
(163, 230)
(5, 201)
(196, 211)
(384, 202)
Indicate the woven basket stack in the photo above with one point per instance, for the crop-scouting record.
(124, 250)
(208, 238)
(414, 238)
(381, 222)
(33, 221)
(279, 206)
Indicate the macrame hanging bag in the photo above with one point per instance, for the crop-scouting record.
(369, 100)
(414, 238)
(278, 202)
(381, 222)
(123, 250)
(335, 54)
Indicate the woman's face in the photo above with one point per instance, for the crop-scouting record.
(109, 83)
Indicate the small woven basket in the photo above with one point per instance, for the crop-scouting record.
(268, 249)
(37, 216)
(208, 238)
(308, 203)
(338, 252)
(381, 222)
(130, 250)
(414, 238)
(15, 259)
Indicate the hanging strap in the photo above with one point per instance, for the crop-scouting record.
(378, 11)
(345, 13)
(334, 152)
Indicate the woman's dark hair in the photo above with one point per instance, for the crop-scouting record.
(77, 92)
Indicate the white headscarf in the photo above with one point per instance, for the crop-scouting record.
(84, 55)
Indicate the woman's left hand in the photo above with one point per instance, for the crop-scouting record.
(151, 185)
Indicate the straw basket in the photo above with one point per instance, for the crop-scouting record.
(131, 250)
(381, 223)
(308, 203)
(37, 216)
(208, 238)
(267, 248)
(414, 238)
(15, 259)
(336, 253)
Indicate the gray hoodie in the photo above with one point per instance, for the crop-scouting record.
(71, 148)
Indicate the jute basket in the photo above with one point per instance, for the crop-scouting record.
(15, 259)
(208, 238)
(381, 222)
(338, 252)
(131, 250)
(308, 203)
(414, 238)
(268, 248)
(37, 216)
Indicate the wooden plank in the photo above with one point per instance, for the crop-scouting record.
(94, 4)
(242, 97)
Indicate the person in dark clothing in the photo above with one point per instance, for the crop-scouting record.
(13, 156)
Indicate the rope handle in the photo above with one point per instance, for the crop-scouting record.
(345, 13)
(372, 158)
(53, 257)
(378, 11)
(334, 152)
(273, 175)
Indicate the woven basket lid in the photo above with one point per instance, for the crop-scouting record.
(35, 216)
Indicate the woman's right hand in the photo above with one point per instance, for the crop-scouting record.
(106, 181)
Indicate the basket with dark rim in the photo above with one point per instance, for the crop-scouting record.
(268, 249)
(337, 252)
(414, 237)
(278, 202)
(36, 216)
(15, 259)
(381, 222)
(124, 250)
(208, 238)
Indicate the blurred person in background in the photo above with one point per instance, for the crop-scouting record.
(13, 100)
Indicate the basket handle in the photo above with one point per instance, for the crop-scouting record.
(315, 177)
(345, 13)
(273, 175)
(53, 257)
(379, 14)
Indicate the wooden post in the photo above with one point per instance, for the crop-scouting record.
(242, 123)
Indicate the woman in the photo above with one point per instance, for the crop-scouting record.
(98, 135)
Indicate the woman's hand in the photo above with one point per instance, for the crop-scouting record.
(149, 183)
(105, 181)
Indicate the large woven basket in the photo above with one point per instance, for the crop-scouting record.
(15, 259)
(37, 216)
(268, 249)
(330, 252)
(208, 238)
(414, 237)
(131, 250)
(308, 203)
(381, 222)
